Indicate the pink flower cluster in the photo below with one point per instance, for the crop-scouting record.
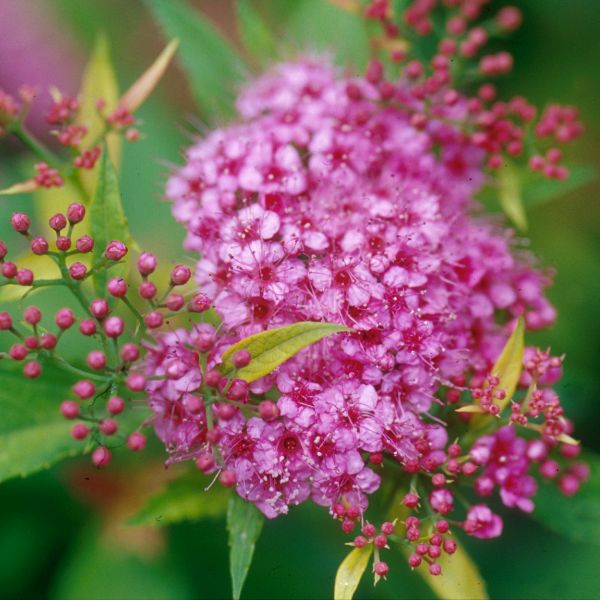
(326, 203)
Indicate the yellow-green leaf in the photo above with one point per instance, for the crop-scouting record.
(350, 572)
(460, 578)
(137, 94)
(23, 187)
(471, 408)
(98, 83)
(273, 347)
(511, 200)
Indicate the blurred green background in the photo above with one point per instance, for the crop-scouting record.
(62, 535)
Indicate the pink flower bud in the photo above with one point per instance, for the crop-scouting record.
(79, 431)
(113, 327)
(75, 213)
(39, 246)
(24, 277)
(63, 243)
(57, 222)
(77, 271)
(117, 287)
(241, 358)
(84, 389)
(199, 303)
(96, 360)
(180, 275)
(5, 321)
(175, 302)
(115, 405)
(48, 341)
(99, 308)
(153, 319)
(193, 404)
(30, 342)
(204, 341)
(380, 568)
(87, 327)
(136, 382)
(69, 409)
(64, 318)
(20, 222)
(3, 249)
(32, 315)
(84, 244)
(268, 410)
(101, 457)
(129, 353)
(227, 478)
(212, 378)
(136, 441)
(108, 426)
(509, 18)
(238, 390)
(146, 263)
(115, 250)
(32, 369)
(9, 270)
(147, 290)
(205, 462)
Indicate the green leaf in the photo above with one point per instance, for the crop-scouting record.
(107, 221)
(212, 65)
(350, 572)
(183, 499)
(244, 523)
(507, 368)
(460, 578)
(576, 517)
(510, 196)
(256, 34)
(25, 187)
(273, 347)
(33, 433)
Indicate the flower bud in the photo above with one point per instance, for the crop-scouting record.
(30, 342)
(129, 353)
(108, 426)
(101, 457)
(3, 249)
(146, 263)
(79, 431)
(268, 410)
(227, 478)
(136, 441)
(113, 327)
(5, 321)
(24, 277)
(9, 270)
(77, 271)
(238, 390)
(84, 389)
(75, 213)
(117, 287)
(205, 462)
(153, 319)
(180, 275)
(63, 243)
(84, 244)
(175, 302)
(115, 250)
(241, 359)
(136, 382)
(69, 409)
(193, 404)
(87, 327)
(199, 303)
(18, 352)
(20, 222)
(115, 405)
(147, 290)
(39, 246)
(96, 360)
(64, 318)
(32, 315)
(99, 308)
(57, 222)
(48, 341)
(32, 369)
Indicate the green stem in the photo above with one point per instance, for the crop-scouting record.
(63, 364)
(36, 147)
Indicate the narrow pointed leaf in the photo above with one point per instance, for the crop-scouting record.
(211, 64)
(575, 517)
(350, 572)
(471, 408)
(273, 347)
(137, 94)
(24, 187)
(510, 196)
(244, 523)
(99, 82)
(183, 499)
(107, 221)
(256, 34)
(33, 433)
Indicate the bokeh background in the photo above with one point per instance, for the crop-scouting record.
(63, 534)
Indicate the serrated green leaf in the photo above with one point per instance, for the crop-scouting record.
(33, 433)
(507, 369)
(510, 196)
(256, 34)
(575, 517)
(211, 64)
(183, 499)
(268, 349)
(99, 82)
(350, 572)
(107, 220)
(244, 523)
